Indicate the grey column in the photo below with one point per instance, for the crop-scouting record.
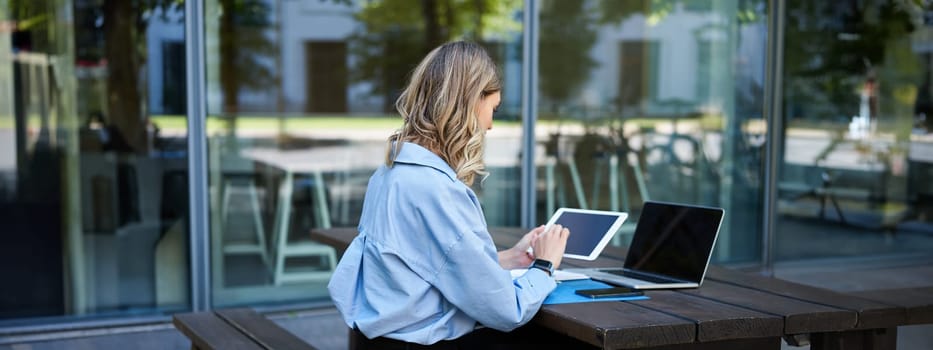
(774, 73)
(529, 110)
(197, 156)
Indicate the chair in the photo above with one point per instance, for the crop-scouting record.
(617, 183)
(613, 163)
(237, 197)
(257, 245)
(286, 249)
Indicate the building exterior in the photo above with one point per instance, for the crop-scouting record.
(159, 157)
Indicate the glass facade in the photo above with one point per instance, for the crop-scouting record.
(300, 99)
(631, 101)
(93, 192)
(857, 165)
(649, 100)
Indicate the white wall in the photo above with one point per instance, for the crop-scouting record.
(304, 21)
(677, 61)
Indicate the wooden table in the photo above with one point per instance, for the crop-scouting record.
(731, 310)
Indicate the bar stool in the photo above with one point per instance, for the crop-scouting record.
(286, 249)
(232, 190)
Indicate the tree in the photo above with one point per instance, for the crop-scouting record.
(396, 34)
(121, 44)
(123, 51)
(567, 35)
(243, 41)
(833, 47)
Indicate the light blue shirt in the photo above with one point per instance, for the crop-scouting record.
(423, 267)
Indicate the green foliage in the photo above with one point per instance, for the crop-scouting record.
(32, 16)
(568, 32)
(471, 19)
(243, 41)
(396, 34)
(833, 47)
(614, 11)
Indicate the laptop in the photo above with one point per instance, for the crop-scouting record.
(671, 248)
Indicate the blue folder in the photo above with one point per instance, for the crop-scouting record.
(566, 293)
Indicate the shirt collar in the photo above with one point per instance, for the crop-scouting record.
(413, 153)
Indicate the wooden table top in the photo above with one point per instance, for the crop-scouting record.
(729, 306)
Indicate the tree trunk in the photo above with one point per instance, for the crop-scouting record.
(229, 79)
(124, 100)
(432, 27)
(480, 13)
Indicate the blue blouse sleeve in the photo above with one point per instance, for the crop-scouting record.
(471, 277)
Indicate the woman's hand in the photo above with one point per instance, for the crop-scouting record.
(518, 256)
(549, 245)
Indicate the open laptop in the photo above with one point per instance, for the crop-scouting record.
(671, 248)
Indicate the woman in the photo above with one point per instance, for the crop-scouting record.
(423, 269)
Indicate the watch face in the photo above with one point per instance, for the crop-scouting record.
(544, 264)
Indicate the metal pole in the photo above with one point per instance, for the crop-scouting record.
(529, 110)
(197, 156)
(774, 73)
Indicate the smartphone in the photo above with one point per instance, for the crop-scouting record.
(610, 292)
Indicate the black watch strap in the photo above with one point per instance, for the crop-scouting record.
(543, 265)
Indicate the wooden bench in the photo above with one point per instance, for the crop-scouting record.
(235, 329)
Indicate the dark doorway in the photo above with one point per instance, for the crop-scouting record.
(326, 77)
(174, 90)
(632, 85)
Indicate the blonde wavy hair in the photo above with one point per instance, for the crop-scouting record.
(439, 107)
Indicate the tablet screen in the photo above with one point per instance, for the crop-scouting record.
(590, 230)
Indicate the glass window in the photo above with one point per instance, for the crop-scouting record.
(93, 186)
(857, 166)
(301, 101)
(656, 100)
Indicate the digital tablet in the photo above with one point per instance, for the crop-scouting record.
(590, 230)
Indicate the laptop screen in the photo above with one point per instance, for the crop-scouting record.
(674, 240)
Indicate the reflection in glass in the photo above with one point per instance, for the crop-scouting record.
(655, 100)
(857, 140)
(301, 101)
(93, 193)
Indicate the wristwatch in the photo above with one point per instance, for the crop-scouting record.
(544, 265)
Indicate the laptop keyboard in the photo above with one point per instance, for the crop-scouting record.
(647, 278)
